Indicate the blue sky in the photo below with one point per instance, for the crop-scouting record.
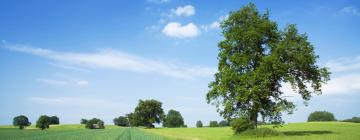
(84, 59)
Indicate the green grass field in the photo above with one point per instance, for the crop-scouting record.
(295, 131)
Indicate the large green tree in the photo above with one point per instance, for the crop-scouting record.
(43, 122)
(255, 60)
(21, 121)
(148, 112)
(173, 119)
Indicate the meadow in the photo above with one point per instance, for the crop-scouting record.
(293, 131)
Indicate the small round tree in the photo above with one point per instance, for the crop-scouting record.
(121, 121)
(95, 124)
(199, 124)
(54, 120)
(21, 121)
(223, 123)
(83, 121)
(43, 122)
(213, 124)
(173, 119)
(321, 116)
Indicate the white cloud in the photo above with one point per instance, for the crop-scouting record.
(64, 82)
(215, 24)
(351, 10)
(175, 29)
(113, 59)
(344, 64)
(187, 10)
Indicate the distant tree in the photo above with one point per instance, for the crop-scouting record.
(54, 120)
(199, 124)
(43, 122)
(255, 60)
(95, 124)
(148, 112)
(224, 123)
(83, 121)
(321, 116)
(173, 119)
(213, 124)
(121, 121)
(353, 119)
(134, 120)
(21, 121)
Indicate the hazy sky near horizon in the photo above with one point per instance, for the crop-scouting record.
(85, 59)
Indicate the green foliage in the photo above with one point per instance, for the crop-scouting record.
(213, 124)
(224, 123)
(255, 59)
(121, 121)
(148, 112)
(54, 120)
(95, 124)
(83, 121)
(261, 132)
(321, 116)
(240, 125)
(354, 119)
(199, 124)
(21, 121)
(43, 122)
(173, 119)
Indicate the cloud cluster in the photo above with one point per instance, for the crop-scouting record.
(64, 82)
(117, 60)
(351, 10)
(175, 29)
(187, 10)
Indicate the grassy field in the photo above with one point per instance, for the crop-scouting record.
(295, 131)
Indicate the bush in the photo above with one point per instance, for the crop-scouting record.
(173, 119)
(83, 121)
(261, 132)
(54, 120)
(43, 122)
(213, 124)
(199, 124)
(240, 125)
(21, 121)
(224, 123)
(121, 121)
(321, 116)
(354, 120)
(95, 124)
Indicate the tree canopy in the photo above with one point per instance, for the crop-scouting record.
(148, 112)
(54, 120)
(173, 119)
(199, 124)
(121, 121)
(255, 60)
(21, 121)
(95, 123)
(213, 124)
(43, 122)
(321, 116)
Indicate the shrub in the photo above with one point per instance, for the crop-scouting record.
(173, 119)
(83, 121)
(54, 120)
(261, 132)
(224, 123)
(321, 116)
(213, 124)
(240, 125)
(199, 124)
(21, 121)
(43, 122)
(121, 121)
(354, 120)
(95, 124)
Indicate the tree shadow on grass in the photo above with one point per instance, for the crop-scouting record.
(304, 133)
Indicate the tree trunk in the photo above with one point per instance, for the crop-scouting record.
(253, 118)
